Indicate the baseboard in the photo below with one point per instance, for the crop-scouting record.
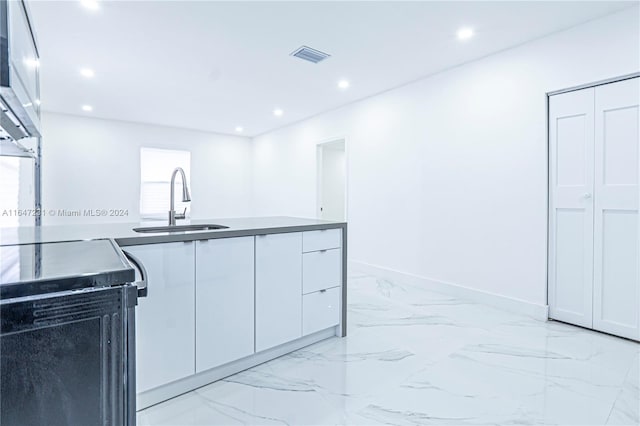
(171, 390)
(533, 310)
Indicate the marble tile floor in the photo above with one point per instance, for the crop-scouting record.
(415, 357)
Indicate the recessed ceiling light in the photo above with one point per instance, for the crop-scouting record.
(90, 4)
(239, 129)
(278, 112)
(87, 108)
(87, 72)
(465, 33)
(344, 84)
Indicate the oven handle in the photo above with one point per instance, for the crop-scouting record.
(142, 284)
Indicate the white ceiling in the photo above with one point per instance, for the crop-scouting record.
(217, 65)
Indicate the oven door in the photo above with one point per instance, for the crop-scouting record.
(68, 358)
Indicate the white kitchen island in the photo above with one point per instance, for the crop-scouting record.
(221, 301)
(218, 306)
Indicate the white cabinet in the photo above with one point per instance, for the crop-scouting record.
(321, 270)
(321, 280)
(216, 307)
(594, 259)
(278, 289)
(224, 301)
(321, 310)
(165, 327)
(323, 239)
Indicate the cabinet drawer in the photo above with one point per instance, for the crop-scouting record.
(320, 310)
(321, 240)
(321, 270)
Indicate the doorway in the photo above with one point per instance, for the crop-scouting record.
(594, 225)
(331, 181)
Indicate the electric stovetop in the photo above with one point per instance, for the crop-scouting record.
(30, 269)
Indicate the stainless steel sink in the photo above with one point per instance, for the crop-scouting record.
(179, 228)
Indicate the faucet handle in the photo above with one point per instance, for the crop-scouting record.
(182, 215)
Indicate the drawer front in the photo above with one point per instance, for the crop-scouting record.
(321, 270)
(320, 310)
(321, 240)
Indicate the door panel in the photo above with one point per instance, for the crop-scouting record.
(620, 150)
(616, 229)
(224, 301)
(573, 266)
(571, 207)
(616, 297)
(572, 132)
(165, 327)
(278, 289)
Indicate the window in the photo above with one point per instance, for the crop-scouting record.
(156, 166)
(9, 190)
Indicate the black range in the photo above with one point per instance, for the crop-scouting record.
(67, 337)
(29, 269)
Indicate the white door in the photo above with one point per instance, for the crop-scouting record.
(616, 231)
(571, 133)
(224, 301)
(165, 327)
(332, 181)
(278, 289)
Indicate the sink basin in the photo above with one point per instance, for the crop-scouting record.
(179, 228)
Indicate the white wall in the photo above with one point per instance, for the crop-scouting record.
(95, 164)
(447, 176)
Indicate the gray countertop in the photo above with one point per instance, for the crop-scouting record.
(125, 236)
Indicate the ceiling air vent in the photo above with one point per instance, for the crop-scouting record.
(309, 54)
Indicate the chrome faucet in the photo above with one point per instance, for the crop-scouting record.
(185, 197)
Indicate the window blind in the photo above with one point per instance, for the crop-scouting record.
(156, 166)
(9, 190)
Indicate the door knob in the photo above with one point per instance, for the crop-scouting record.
(586, 195)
